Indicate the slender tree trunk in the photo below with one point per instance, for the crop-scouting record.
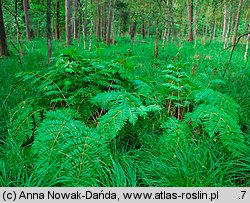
(85, 24)
(190, 20)
(171, 30)
(67, 24)
(3, 42)
(166, 26)
(58, 19)
(224, 22)
(143, 29)
(247, 44)
(148, 30)
(237, 22)
(18, 30)
(133, 30)
(213, 22)
(227, 36)
(113, 26)
(110, 22)
(104, 21)
(195, 22)
(48, 25)
(98, 34)
(91, 25)
(75, 20)
(27, 19)
(156, 51)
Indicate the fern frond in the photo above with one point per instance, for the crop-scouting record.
(78, 150)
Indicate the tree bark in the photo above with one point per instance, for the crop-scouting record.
(156, 51)
(58, 19)
(3, 42)
(212, 31)
(190, 20)
(85, 23)
(18, 32)
(67, 24)
(143, 29)
(195, 22)
(48, 25)
(166, 26)
(227, 35)
(110, 22)
(237, 22)
(91, 25)
(27, 19)
(133, 30)
(74, 19)
(247, 44)
(98, 34)
(224, 22)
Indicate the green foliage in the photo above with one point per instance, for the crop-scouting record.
(130, 121)
(69, 146)
(217, 116)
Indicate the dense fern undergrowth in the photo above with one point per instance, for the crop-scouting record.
(117, 117)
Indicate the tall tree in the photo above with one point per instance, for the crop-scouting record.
(195, 22)
(74, 19)
(58, 19)
(224, 22)
(3, 41)
(247, 43)
(111, 4)
(48, 25)
(237, 22)
(190, 20)
(27, 19)
(85, 26)
(67, 23)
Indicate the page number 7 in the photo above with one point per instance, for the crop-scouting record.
(243, 194)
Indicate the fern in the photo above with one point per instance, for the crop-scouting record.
(217, 116)
(122, 107)
(176, 132)
(24, 121)
(69, 146)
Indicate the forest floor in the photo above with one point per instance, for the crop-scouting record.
(206, 164)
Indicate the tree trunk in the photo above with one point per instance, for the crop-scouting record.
(110, 22)
(58, 19)
(224, 23)
(48, 25)
(104, 21)
(195, 22)
(166, 25)
(133, 30)
(27, 19)
(143, 29)
(228, 26)
(85, 23)
(91, 25)
(99, 23)
(75, 20)
(237, 22)
(156, 52)
(213, 22)
(3, 41)
(18, 30)
(247, 44)
(190, 20)
(67, 24)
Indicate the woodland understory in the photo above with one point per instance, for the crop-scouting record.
(114, 94)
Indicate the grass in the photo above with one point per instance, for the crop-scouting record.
(196, 163)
